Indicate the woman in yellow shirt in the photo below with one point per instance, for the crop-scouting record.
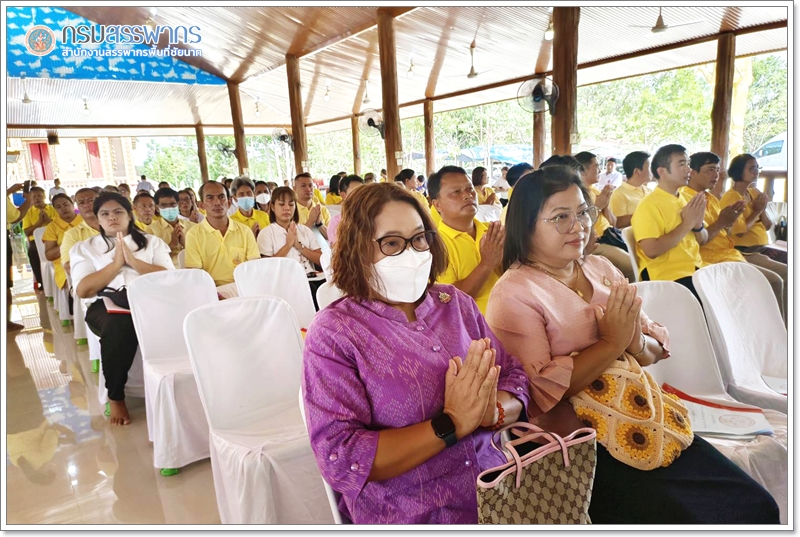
(480, 180)
(333, 197)
(749, 231)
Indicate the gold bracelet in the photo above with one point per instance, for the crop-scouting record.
(644, 347)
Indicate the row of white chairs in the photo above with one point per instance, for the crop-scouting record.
(747, 330)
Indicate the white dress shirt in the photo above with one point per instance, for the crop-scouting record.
(273, 238)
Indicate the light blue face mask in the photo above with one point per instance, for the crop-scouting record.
(246, 203)
(170, 214)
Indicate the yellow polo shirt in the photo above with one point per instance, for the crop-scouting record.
(258, 216)
(422, 199)
(757, 236)
(207, 249)
(163, 230)
(626, 198)
(333, 199)
(464, 254)
(602, 223)
(55, 231)
(658, 214)
(487, 191)
(318, 196)
(12, 213)
(435, 216)
(79, 233)
(720, 249)
(32, 216)
(303, 213)
(144, 227)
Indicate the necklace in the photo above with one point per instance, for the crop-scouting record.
(574, 287)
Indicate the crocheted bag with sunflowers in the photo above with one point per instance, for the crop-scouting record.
(635, 421)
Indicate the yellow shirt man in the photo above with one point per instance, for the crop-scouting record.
(79, 233)
(435, 216)
(163, 230)
(55, 231)
(258, 217)
(602, 223)
(303, 212)
(626, 198)
(333, 199)
(32, 216)
(12, 213)
(721, 248)
(757, 236)
(658, 214)
(208, 250)
(464, 256)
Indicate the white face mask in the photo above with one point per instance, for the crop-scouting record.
(403, 278)
(263, 198)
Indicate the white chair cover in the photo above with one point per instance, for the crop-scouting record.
(176, 423)
(61, 303)
(325, 263)
(333, 496)
(277, 276)
(182, 259)
(334, 209)
(630, 241)
(692, 368)
(48, 270)
(747, 331)
(324, 245)
(327, 293)
(488, 213)
(261, 458)
(80, 330)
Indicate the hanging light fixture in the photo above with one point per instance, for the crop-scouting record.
(258, 112)
(549, 33)
(86, 110)
(366, 92)
(327, 96)
(410, 72)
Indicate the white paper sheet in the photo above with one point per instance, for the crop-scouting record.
(726, 421)
(777, 384)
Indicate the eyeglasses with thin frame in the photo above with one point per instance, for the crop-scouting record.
(392, 245)
(566, 221)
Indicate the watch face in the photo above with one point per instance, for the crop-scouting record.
(443, 425)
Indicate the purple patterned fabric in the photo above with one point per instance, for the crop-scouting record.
(366, 368)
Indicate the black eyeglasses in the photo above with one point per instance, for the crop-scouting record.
(391, 245)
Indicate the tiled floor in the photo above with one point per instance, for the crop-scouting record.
(66, 464)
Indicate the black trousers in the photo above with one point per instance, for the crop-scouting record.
(36, 264)
(118, 345)
(700, 487)
(686, 282)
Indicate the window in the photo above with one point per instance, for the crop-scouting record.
(95, 166)
(40, 159)
(773, 148)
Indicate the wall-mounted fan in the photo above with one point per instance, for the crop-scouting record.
(538, 95)
(371, 123)
(661, 27)
(226, 150)
(281, 135)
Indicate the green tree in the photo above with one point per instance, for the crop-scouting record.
(767, 110)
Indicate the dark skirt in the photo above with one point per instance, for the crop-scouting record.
(700, 487)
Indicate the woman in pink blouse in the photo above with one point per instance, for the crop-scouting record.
(400, 427)
(568, 317)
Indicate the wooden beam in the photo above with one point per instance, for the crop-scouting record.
(721, 109)
(296, 111)
(539, 141)
(393, 138)
(356, 145)
(201, 152)
(175, 126)
(565, 76)
(430, 146)
(238, 127)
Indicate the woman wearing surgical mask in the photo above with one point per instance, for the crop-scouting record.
(402, 379)
(243, 191)
(262, 196)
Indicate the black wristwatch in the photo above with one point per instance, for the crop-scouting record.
(445, 429)
(701, 228)
(318, 224)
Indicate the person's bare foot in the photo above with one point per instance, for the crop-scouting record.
(119, 413)
(13, 327)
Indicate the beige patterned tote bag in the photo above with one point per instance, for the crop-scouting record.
(547, 479)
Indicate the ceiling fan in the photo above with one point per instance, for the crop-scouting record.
(472, 72)
(660, 26)
(26, 99)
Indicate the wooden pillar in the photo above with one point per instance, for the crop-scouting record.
(238, 127)
(565, 75)
(201, 152)
(393, 138)
(430, 146)
(356, 145)
(721, 110)
(539, 136)
(296, 111)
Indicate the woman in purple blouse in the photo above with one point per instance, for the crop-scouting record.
(400, 426)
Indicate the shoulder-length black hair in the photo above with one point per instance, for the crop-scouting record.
(136, 234)
(477, 175)
(531, 192)
(737, 166)
(333, 184)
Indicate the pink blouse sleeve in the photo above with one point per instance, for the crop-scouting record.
(521, 328)
(655, 331)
